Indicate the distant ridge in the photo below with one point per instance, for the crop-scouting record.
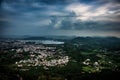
(38, 38)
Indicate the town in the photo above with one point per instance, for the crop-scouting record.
(38, 54)
(92, 57)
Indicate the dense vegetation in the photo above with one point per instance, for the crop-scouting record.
(105, 50)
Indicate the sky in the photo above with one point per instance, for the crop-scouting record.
(60, 17)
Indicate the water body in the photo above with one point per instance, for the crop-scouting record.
(45, 41)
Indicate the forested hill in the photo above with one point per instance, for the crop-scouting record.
(109, 43)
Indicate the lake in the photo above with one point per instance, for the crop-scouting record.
(45, 41)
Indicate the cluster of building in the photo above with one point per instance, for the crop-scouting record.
(97, 65)
(39, 54)
(40, 61)
(38, 49)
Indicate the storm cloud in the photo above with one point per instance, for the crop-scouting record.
(60, 17)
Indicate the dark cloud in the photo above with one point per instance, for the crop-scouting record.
(1, 1)
(32, 17)
(3, 25)
(70, 23)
